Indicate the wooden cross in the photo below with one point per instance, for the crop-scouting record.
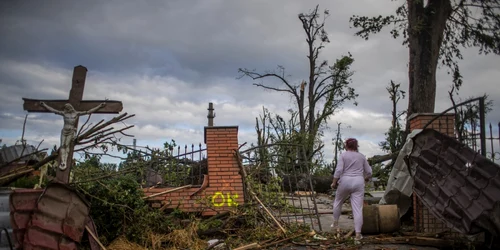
(75, 99)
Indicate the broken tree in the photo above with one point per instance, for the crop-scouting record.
(434, 31)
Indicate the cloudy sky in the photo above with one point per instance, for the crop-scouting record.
(166, 60)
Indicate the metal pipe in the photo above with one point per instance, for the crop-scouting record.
(211, 114)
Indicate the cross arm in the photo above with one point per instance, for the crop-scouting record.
(112, 107)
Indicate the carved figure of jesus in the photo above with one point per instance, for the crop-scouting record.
(68, 132)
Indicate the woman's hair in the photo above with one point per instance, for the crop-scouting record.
(351, 144)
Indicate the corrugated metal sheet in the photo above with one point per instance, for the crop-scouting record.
(21, 204)
(58, 221)
(459, 186)
(400, 183)
(8, 154)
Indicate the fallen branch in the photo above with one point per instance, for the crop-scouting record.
(249, 246)
(244, 175)
(381, 158)
(20, 172)
(285, 239)
(349, 234)
(268, 212)
(95, 237)
(167, 191)
(12, 177)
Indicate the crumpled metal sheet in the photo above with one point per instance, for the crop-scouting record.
(457, 185)
(59, 219)
(8, 154)
(400, 183)
(22, 202)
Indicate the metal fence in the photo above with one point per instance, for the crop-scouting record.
(177, 166)
(283, 183)
(470, 127)
(493, 153)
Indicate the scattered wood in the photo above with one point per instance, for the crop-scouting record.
(250, 191)
(165, 205)
(349, 234)
(167, 191)
(304, 193)
(268, 212)
(94, 237)
(286, 239)
(249, 246)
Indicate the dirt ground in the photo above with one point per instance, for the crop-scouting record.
(371, 247)
(325, 207)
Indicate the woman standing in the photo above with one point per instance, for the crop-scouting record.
(350, 175)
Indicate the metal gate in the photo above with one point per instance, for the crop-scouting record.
(283, 183)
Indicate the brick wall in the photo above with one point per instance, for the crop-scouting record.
(444, 124)
(424, 221)
(222, 188)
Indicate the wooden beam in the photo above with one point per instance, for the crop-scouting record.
(112, 107)
(77, 86)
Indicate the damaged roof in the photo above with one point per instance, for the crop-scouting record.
(458, 185)
(8, 154)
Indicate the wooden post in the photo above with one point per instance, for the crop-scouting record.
(75, 99)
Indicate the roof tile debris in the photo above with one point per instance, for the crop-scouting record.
(459, 186)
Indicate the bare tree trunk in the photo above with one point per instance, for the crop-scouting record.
(426, 28)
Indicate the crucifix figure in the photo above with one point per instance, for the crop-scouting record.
(68, 132)
(71, 109)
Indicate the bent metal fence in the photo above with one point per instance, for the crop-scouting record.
(470, 127)
(282, 183)
(177, 167)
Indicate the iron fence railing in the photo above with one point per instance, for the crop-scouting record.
(283, 182)
(470, 127)
(179, 166)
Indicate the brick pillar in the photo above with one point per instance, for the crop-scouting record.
(444, 124)
(424, 221)
(225, 184)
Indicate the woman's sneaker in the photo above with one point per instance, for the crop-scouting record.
(358, 237)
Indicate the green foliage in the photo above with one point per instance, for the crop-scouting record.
(326, 90)
(207, 224)
(322, 170)
(118, 209)
(470, 23)
(381, 172)
(270, 193)
(117, 204)
(25, 182)
(395, 136)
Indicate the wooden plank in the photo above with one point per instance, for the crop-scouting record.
(77, 86)
(112, 107)
(75, 97)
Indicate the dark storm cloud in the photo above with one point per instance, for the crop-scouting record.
(167, 59)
